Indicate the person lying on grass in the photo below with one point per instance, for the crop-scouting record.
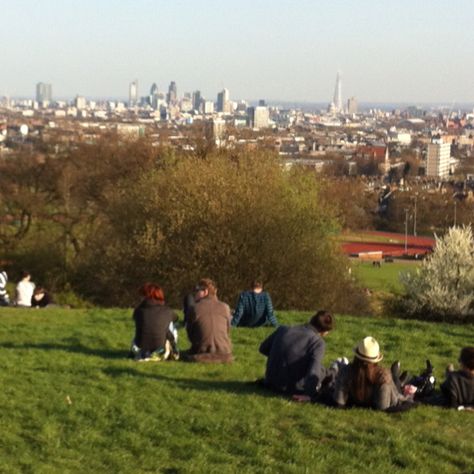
(364, 383)
(155, 335)
(458, 389)
(295, 356)
(208, 326)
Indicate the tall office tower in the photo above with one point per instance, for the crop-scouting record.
(438, 159)
(154, 96)
(197, 100)
(262, 103)
(352, 105)
(172, 96)
(258, 117)
(133, 93)
(43, 93)
(337, 101)
(208, 107)
(223, 101)
(80, 102)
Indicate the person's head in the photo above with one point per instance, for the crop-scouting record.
(39, 292)
(205, 288)
(368, 350)
(322, 321)
(25, 275)
(257, 286)
(466, 358)
(152, 291)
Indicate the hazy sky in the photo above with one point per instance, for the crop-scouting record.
(387, 51)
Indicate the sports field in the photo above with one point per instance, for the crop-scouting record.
(73, 403)
(390, 244)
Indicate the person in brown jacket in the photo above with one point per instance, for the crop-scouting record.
(208, 326)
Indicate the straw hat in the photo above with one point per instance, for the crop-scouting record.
(368, 349)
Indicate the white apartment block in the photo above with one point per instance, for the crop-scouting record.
(438, 160)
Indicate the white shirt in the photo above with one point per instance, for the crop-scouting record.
(24, 292)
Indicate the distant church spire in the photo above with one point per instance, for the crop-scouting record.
(337, 94)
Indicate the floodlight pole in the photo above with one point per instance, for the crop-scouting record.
(406, 231)
(414, 217)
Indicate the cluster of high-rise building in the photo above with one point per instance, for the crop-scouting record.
(299, 136)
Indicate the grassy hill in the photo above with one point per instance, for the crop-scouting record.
(72, 402)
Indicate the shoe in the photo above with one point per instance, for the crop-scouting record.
(395, 369)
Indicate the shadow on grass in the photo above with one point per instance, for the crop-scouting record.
(229, 386)
(74, 348)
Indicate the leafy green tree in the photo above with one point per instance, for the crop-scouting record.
(231, 216)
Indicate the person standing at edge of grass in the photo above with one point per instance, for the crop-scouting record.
(155, 336)
(295, 357)
(24, 290)
(458, 389)
(254, 308)
(208, 326)
(4, 298)
(364, 383)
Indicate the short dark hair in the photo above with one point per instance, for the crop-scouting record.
(25, 274)
(257, 284)
(467, 357)
(322, 321)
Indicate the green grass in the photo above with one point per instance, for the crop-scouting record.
(176, 417)
(385, 278)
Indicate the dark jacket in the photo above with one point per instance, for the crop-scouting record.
(152, 322)
(458, 389)
(41, 303)
(295, 355)
(208, 327)
(254, 309)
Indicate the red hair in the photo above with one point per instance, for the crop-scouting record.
(152, 291)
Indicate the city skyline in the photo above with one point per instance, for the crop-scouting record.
(279, 51)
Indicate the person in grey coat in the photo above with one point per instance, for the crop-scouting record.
(295, 356)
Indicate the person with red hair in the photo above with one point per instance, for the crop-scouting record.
(155, 335)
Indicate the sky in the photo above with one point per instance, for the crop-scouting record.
(415, 51)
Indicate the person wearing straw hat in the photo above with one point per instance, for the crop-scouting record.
(364, 383)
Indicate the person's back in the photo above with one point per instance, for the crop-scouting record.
(24, 291)
(254, 308)
(458, 389)
(152, 321)
(4, 298)
(292, 353)
(209, 322)
(295, 356)
(363, 383)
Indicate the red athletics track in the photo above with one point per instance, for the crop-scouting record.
(415, 245)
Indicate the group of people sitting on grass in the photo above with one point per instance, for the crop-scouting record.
(294, 353)
(27, 294)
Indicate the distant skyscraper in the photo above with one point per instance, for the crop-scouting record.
(80, 102)
(258, 117)
(337, 101)
(223, 101)
(44, 93)
(133, 93)
(438, 159)
(154, 96)
(352, 105)
(197, 100)
(172, 96)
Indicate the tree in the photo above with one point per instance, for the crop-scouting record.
(443, 287)
(232, 217)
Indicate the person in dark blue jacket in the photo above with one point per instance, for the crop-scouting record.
(295, 356)
(254, 308)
